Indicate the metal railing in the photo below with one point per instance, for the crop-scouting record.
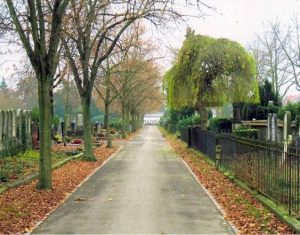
(203, 141)
(263, 166)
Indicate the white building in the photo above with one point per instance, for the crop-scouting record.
(152, 118)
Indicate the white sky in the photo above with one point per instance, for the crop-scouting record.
(239, 20)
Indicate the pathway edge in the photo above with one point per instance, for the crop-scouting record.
(211, 197)
(73, 191)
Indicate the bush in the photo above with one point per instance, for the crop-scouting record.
(116, 125)
(273, 108)
(35, 114)
(294, 108)
(68, 139)
(220, 124)
(174, 116)
(4, 174)
(171, 128)
(189, 121)
(57, 138)
(246, 132)
(55, 121)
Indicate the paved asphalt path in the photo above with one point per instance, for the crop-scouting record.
(144, 189)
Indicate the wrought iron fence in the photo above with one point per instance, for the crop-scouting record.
(264, 166)
(203, 141)
(184, 134)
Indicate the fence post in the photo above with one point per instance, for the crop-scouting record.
(189, 136)
(218, 152)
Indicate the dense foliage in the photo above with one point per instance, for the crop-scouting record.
(246, 132)
(220, 124)
(189, 121)
(211, 72)
(258, 111)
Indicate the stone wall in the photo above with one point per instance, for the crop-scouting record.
(15, 129)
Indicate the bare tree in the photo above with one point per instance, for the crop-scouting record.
(290, 44)
(271, 60)
(112, 70)
(92, 31)
(38, 24)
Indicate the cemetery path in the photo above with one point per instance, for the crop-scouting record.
(145, 188)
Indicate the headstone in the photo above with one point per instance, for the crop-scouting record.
(79, 121)
(286, 132)
(274, 128)
(9, 124)
(73, 126)
(19, 125)
(286, 125)
(29, 122)
(4, 124)
(269, 130)
(14, 123)
(26, 121)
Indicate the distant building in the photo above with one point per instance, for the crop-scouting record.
(152, 118)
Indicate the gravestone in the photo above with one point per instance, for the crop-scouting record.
(4, 125)
(27, 124)
(269, 127)
(9, 123)
(286, 125)
(79, 121)
(14, 123)
(73, 125)
(272, 127)
(286, 132)
(19, 124)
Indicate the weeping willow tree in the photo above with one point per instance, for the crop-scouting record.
(210, 72)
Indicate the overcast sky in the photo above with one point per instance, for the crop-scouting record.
(239, 20)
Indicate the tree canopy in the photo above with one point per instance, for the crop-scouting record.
(211, 72)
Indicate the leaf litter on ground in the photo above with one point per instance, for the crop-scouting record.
(21, 208)
(241, 209)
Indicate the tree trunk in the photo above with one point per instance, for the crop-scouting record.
(66, 109)
(107, 127)
(204, 118)
(45, 179)
(87, 128)
(52, 101)
(124, 134)
(134, 123)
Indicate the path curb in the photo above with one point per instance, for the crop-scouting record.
(211, 197)
(71, 193)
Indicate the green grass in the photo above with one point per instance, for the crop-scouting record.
(22, 165)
